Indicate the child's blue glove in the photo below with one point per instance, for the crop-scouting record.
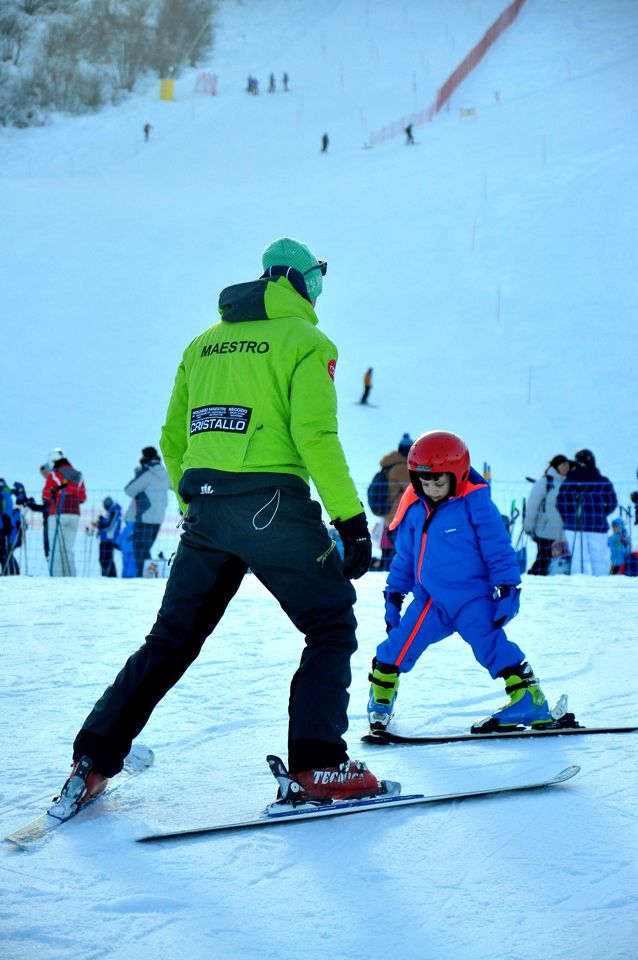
(508, 603)
(393, 604)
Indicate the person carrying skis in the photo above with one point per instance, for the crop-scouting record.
(252, 416)
(63, 493)
(454, 556)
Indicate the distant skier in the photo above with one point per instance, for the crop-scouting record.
(454, 556)
(367, 386)
(409, 138)
(325, 142)
(147, 130)
(272, 86)
(284, 81)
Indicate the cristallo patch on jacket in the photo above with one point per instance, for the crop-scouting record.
(332, 367)
(220, 419)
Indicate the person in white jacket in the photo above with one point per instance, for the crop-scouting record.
(149, 489)
(543, 522)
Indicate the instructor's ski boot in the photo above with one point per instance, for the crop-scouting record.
(351, 780)
(384, 687)
(527, 706)
(82, 785)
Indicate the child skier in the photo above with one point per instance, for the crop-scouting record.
(619, 545)
(455, 557)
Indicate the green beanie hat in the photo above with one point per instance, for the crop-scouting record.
(292, 253)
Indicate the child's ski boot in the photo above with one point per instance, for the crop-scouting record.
(384, 686)
(527, 706)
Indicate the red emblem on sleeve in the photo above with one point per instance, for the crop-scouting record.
(332, 366)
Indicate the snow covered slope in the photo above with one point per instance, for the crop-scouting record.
(485, 274)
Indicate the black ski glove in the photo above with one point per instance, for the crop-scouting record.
(357, 546)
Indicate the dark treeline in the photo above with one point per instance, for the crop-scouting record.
(77, 55)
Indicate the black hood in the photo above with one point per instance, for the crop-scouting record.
(243, 302)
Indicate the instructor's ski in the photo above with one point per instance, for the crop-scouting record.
(385, 737)
(285, 813)
(139, 759)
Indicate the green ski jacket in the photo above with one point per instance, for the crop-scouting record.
(255, 393)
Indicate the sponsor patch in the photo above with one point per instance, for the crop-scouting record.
(332, 367)
(220, 419)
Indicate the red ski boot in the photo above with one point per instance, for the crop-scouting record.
(349, 781)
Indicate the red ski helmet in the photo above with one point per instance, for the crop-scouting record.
(439, 452)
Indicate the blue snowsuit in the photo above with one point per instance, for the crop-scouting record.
(450, 556)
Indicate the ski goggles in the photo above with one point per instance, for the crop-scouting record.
(321, 265)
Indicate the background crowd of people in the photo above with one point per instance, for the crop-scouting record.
(133, 532)
(567, 515)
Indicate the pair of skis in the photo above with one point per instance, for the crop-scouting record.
(141, 758)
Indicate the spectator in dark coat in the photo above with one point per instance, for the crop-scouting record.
(585, 500)
(149, 489)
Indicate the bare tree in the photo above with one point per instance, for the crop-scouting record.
(12, 36)
(81, 53)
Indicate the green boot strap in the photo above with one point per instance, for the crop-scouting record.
(383, 684)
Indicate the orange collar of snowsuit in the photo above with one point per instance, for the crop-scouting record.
(411, 496)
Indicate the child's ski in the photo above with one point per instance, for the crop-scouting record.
(383, 738)
(285, 813)
(139, 759)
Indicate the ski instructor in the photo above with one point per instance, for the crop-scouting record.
(252, 416)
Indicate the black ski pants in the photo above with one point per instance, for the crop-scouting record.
(144, 536)
(277, 532)
(107, 563)
(540, 567)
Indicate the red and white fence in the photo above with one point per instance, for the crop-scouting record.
(397, 127)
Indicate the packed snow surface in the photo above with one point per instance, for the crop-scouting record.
(487, 275)
(552, 872)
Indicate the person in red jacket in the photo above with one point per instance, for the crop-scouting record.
(62, 495)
